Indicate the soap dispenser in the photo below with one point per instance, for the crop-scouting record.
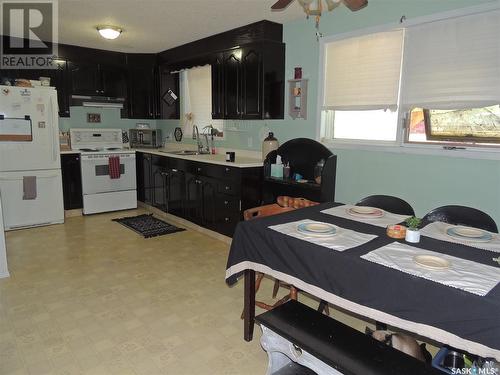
(269, 144)
(277, 169)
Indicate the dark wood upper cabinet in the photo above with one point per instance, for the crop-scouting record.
(142, 86)
(248, 82)
(232, 85)
(88, 78)
(84, 78)
(218, 86)
(251, 84)
(113, 81)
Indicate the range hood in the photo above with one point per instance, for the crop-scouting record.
(97, 101)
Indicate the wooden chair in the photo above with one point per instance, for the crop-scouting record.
(388, 203)
(284, 204)
(461, 215)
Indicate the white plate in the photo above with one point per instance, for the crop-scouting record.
(365, 210)
(432, 262)
(469, 232)
(318, 227)
(374, 213)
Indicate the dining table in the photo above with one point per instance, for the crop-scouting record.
(362, 270)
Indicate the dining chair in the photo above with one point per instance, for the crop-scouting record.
(388, 203)
(284, 204)
(461, 215)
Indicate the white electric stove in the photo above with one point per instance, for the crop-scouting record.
(101, 193)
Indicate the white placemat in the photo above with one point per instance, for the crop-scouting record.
(463, 274)
(438, 230)
(384, 221)
(342, 240)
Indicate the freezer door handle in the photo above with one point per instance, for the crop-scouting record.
(55, 139)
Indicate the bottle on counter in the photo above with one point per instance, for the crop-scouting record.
(269, 144)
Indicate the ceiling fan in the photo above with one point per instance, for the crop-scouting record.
(353, 5)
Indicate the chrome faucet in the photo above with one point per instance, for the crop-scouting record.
(199, 143)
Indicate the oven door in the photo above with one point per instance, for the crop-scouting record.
(95, 173)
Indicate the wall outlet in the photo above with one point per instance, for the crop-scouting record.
(250, 142)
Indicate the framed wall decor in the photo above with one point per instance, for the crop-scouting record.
(93, 118)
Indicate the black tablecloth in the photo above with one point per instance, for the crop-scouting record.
(448, 315)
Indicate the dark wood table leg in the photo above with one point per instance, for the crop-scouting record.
(249, 305)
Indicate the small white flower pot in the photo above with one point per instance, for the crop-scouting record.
(412, 236)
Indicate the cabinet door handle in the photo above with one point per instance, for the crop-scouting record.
(228, 188)
(199, 169)
(227, 169)
(174, 170)
(226, 203)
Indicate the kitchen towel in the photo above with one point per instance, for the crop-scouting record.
(384, 221)
(463, 274)
(29, 187)
(342, 240)
(438, 230)
(114, 167)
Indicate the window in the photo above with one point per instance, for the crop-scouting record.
(196, 100)
(362, 77)
(472, 126)
(378, 125)
(451, 81)
(445, 81)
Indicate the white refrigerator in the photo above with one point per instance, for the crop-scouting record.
(30, 165)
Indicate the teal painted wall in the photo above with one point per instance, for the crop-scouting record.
(110, 118)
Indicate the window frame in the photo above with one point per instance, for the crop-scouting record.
(401, 144)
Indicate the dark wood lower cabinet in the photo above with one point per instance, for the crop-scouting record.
(209, 195)
(72, 181)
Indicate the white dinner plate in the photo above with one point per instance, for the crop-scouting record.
(432, 262)
(469, 234)
(317, 229)
(365, 212)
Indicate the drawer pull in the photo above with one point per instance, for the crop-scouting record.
(199, 169)
(228, 187)
(227, 169)
(174, 170)
(226, 203)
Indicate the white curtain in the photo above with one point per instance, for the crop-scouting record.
(196, 98)
(453, 64)
(363, 73)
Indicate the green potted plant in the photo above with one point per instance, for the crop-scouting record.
(412, 229)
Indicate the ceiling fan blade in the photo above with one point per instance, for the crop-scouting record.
(281, 5)
(355, 5)
(332, 4)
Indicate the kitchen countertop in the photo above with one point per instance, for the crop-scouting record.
(244, 159)
(241, 161)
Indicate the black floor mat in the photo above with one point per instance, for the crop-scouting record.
(148, 225)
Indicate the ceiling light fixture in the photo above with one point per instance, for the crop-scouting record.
(109, 32)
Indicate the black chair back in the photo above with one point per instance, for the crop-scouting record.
(388, 203)
(461, 215)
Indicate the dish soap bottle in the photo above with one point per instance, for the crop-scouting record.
(269, 144)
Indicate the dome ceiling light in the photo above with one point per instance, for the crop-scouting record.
(109, 32)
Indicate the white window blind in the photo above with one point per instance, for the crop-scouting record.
(363, 73)
(453, 64)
